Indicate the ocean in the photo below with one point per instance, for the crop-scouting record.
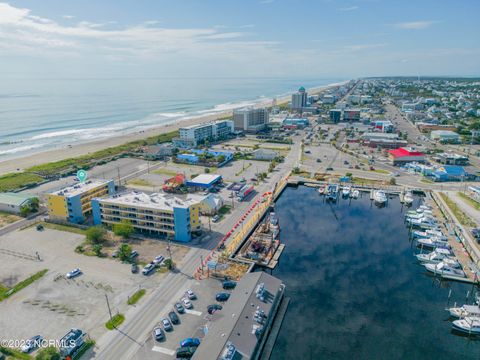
(357, 291)
(43, 114)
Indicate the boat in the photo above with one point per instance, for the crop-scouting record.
(408, 198)
(322, 190)
(464, 311)
(274, 224)
(346, 191)
(445, 270)
(469, 325)
(332, 192)
(379, 197)
(424, 223)
(354, 194)
(417, 234)
(432, 243)
(434, 257)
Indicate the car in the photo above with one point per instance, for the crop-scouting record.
(158, 333)
(134, 268)
(179, 307)
(329, 168)
(190, 342)
(115, 253)
(39, 227)
(191, 295)
(372, 168)
(186, 303)
(167, 325)
(133, 254)
(319, 160)
(476, 233)
(308, 152)
(222, 296)
(215, 218)
(254, 179)
(345, 162)
(32, 344)
(74, 273)
(229, 284)
(357, 167)
(214, 307)
(185, 352)
(148, 269)
(158, 259)
(174, 317)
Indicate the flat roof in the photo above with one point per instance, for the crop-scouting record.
(205, 179)
(236, 323)
(153, 201)
(80, 188)
(15, 199)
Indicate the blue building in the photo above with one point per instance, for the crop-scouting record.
(450, 173)
(299, 123)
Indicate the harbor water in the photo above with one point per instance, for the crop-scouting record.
(356, 289)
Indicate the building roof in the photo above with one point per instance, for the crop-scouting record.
(14, 199)
(235, 323)
(80, 188)
(153, 201)
(403, 152)
(205, 179)
(451, 170)
(444, 133)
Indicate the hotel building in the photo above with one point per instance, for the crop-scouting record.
(250, 119)
(191, 136)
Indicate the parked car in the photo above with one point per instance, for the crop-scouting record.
(372, 168)
(185, 352)
(134, 268)
(186, 303)
(158, 260)
(329, 168)
(189, 342)
(39, 227)
(32, 344)
(167, 325)
(357, 167)
(476, 233)
(148, 269)
(191, 295)
(345, 162)
(158, 333)
(115, 253)
(319, 160)
(133, 254)
(229, 284)
(179, 307)
(215, 218)
(222, 296)
(308, 152)
(74, 273)
(214, 307)
(174, 317)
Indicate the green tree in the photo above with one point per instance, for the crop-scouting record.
(95, 234)
(221, 158)
(34, 204)
(169, 264)
(207, 170)
(25, 210)
(124, 252)
(296, 170)
(97, 249)
(124, 229)
(48, 353)
(393, 181)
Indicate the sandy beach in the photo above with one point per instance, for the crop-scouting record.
(21, 163)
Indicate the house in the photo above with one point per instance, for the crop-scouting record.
(13, 202)
(445, 136)
(264, 154)
(405, 155)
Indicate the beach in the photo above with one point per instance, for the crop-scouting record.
(78, 149)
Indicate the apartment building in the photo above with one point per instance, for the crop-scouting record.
(250, 119)
(191, 136)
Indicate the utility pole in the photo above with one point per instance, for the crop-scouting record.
(108, 305)
(209, 224)
(118, 173)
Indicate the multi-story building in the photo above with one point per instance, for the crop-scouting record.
(193, 135)
(152, 214)
(351, 115)
(335, 115)
(250, 119)
(73, 203)
(299, 99)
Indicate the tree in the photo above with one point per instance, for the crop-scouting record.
(95, 234)
(34, 204)
(97, 249)
(124, 252)
(220, 158)
(48, 353)
(207, 170)
(169, 264)
(124, 229)
(393, 181)
(296, 170)
(25, 210)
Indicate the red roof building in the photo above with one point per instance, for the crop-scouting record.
(405, 155)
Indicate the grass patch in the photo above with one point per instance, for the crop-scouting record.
(87, 345)
(67, 228)
(13, 181)
(459, 214)
(363, 181)
(381, 171)
(164, 172)
(140, 182)
(14, 354)
(225, 209)
(6, 292)
(243, 169)
(470, 201)
(426, 181)
(135, 297)
(6, 218)
(115, 321)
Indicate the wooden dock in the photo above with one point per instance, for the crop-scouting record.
(276, 257)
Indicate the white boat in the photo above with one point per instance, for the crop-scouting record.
(469, 325)
(464, 311)
(434, 257)
(274, 224)
(424, 223)
(379, 197)
(332, 192)
(322, 190)
(354, 194)
(445, 270)
(408, 198)
(346, 191)
(432, 243)
(417, 234)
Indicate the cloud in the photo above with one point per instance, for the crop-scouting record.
(266, 1)
(415, 25)
(68, 16)
(360, 47)
(349, 8)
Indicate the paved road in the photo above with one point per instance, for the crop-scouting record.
(464, 206)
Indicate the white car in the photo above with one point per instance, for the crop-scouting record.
(187, 303)
(74, 273)
(158, 259)
(32, 344)
(191, 295)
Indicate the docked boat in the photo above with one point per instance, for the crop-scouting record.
(434, 257)
(322, 190)
(445, 270)
(464, 311)
(469, 325)
(346, 191)
(354, 194)
(379, 197)
(424, 223)
(432, 243)
(332, 192)
(274, 224)
(408, 198)
(417, 234)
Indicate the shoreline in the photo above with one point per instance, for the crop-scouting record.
(19, 164)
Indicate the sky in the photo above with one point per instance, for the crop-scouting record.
(238, 38)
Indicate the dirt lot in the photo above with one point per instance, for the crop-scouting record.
(6, 218)
(59, 304)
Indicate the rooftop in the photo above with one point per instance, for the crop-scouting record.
(407, 151)
(205, 179)
(153, 201)
(80, 188)
(13, 199)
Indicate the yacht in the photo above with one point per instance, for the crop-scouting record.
(332, 192)
(274, 224)
(417, 234)
(408, 198)
(464, 311)
(469, 325)
(434, 257)
(432, 243)
(445, 270)
(379, 197)
(424, 223)
(346, 191)
(354, 194)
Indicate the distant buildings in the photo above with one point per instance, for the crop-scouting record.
(335, 115)
(383, 140)
(384, 126)
(405, 155)
(264, 154)
(204, 181)
(250, 119)
(295, 123)
(73, 203)
(205, 157)
(154, 214)
(328, 99)
(193, 135)
(451, 159)
(449, 173)
(351, 115)
(299, 99)
(445, 136)
(14, 202)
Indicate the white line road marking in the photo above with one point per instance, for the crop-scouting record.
(193, 312)
(163, 350)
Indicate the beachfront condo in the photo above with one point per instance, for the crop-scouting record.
(191, 136)
(250, 119)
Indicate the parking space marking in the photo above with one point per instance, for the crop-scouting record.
(163, 350)
(193, 312)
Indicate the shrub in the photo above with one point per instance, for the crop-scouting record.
(48, 353)
(124, 252)
(97, 249)
(169, 264)
(95, 234)
(124, 229)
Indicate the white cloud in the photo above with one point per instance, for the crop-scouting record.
(349, 8)
(68, 17)
(266, 1)
(415, 25)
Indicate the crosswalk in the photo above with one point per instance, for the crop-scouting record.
(163, 350)
(193, 312)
